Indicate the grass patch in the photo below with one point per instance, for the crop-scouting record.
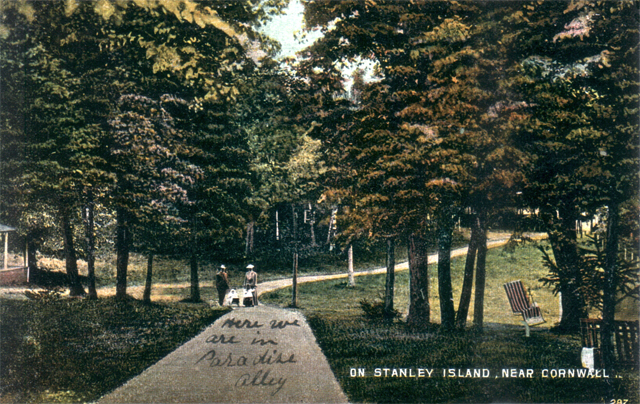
(76, 350)
(270, 265)
(350, 341)
(171, 271)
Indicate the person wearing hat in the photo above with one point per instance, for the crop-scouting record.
(222, 284)
(251, 283)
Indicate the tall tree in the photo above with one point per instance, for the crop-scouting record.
(150, 175)
(583, 85)
(419, 306)
(438, 113)
(51, 157)
(170, 51)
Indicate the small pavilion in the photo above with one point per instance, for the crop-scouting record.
(10, 272)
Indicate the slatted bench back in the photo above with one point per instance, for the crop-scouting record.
(517, 296)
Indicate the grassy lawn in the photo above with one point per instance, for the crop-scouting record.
(76, 350)
(171, 276)
(351, 341)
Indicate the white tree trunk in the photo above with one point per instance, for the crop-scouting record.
(332, 227)
(352, 281)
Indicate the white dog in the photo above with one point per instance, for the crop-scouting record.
(232, 298)
(248, 297)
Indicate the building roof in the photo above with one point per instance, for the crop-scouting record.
(6, 229)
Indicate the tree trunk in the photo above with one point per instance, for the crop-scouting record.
(447, 311)
(249, 244)
(31, 257)
(122, 253)
(481, 265)
(609, 287)
(146, 296)
(195, 283)
(313, 233)
(294, 282)
(390, 280)
(87, 216)
(5, 259)
(294, 230)
(71, 261)
(563, 239)
(332, 227)
(467, 283)
(419, 307)
(352, 280)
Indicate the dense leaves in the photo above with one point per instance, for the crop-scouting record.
(133, 106)
(99, 346)
(474, 104)
(171, 118)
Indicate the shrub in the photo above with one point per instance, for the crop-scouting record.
(375, 310)
(46, 295)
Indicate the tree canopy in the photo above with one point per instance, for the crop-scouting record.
(409, 115)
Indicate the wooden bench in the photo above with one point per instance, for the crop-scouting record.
(625, 340)
(520, 304)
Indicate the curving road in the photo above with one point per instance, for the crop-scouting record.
(269, 286)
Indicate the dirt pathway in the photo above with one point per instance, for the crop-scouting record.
(166, 292)
(256, 354)
(250, 355)
(269, 286)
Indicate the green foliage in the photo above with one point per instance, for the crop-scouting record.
(591, 262)
(46, 295)
(78, 350)
(580, 80)
(85, 73)
(374, 310)
(431, 135)
(350, 340)
(358, 344)
(167, 110)
(579, 86)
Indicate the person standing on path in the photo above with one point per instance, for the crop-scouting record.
(251, 282)
(222, 284)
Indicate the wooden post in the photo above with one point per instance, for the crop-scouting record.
(26, 259)
(6, 249)
(560, 306)
(390, 279)
(352, 281)
(293, 222)
(294, 286)
(294, 295)
(312, 222)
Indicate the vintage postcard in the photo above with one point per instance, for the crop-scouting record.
(319, 201)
